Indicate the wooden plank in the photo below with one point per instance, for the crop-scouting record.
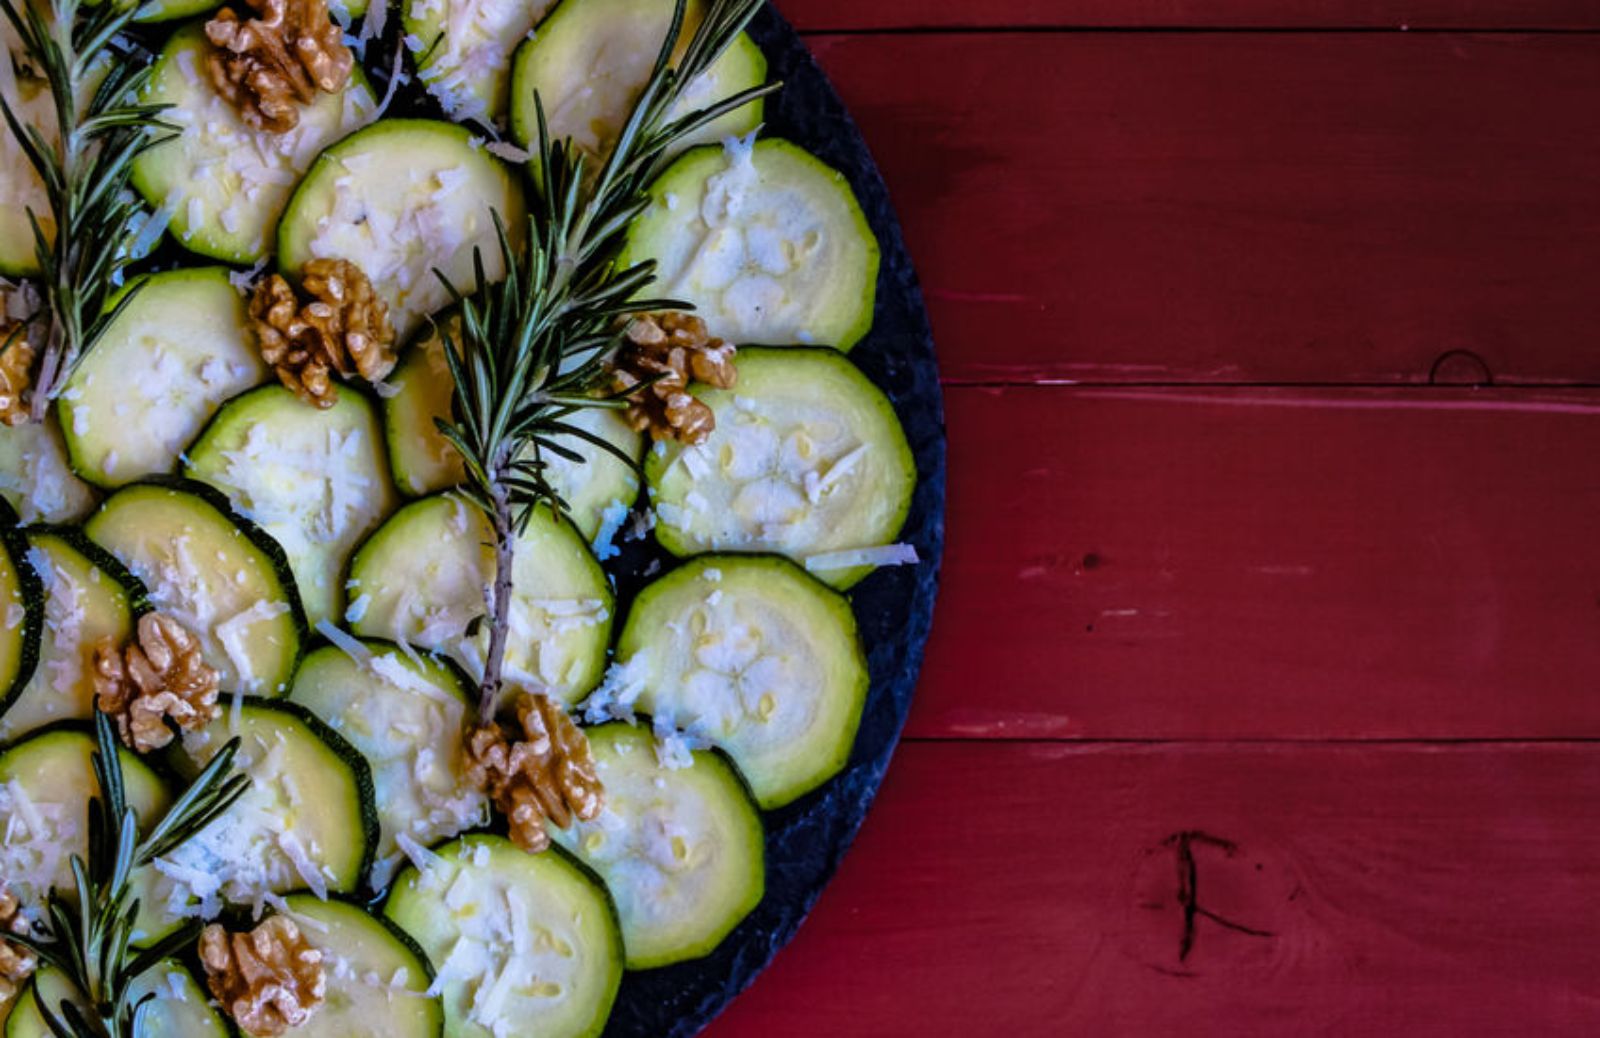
(845, 15)
(1262, 207)
(1030, 889)
(1239, 563)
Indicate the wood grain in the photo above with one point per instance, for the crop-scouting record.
(1251, 563)
(1034, 889)
(815, 15)
(1243, 207)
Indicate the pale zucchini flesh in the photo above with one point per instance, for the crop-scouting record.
(223, 182)
(178, 1006)
(405, 714)
(522, 943)
(179, 349)
(767, 242)
(464, 50)
(20, 186)
(400, 199)
(807, 459)
(36, 478)
(424, 461)
(679, 846)
(213, 572)
(755, 656)
(87, 597)
(22, 606)
(421, 579)
(315, 479)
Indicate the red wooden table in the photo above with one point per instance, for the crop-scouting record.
(1266, 674)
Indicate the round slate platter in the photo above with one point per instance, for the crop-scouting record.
(807, 839)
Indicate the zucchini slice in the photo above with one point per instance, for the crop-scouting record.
(22, 599)
(175, 353)
(216, 572)
(400, 199)
(35, 477)
(421, 578)
(769, 244)
(179, 1007)
(377, 977)
(45, 785)
(424, 462)
(754, 655)
(590, 61)
(522, 943)
(807, 460)
(464, 50)
(315, 479)
(406, 716)
(680, 848)
(224, 182)
(306, 822)
(20, 186)
(88, 595)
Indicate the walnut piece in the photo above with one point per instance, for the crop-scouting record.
(16, 367)
(345, 329)
(672, 348)
(158, 676)
(270, 65)
(16, 962)
(546, 773)
(268, 980)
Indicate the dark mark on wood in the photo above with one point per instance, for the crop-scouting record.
(1189, 888)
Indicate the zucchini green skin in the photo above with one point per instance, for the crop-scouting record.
(277, 561)
(775, 780)
(21, 646)
(740, 885)
(411, 906)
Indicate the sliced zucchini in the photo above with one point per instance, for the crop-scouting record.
(590, 60)
(522, 943)
(20, 186)
(35, 477)
(377, 978)
(769, 244)
(88, 595)
(180, 348)
(45, 785)
(406, 716)
(807, 460)
(680, 848)
(178, 1006)
(424, 462)
(464, 50)
(22, 598)
(754, 655)
(315, 479)
(214, 571)
(421, 580)
(400, 199)
(224, 182)
(306, 822)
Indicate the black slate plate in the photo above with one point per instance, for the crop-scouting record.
(807, 839)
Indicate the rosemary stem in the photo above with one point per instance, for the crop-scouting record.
(505, 546)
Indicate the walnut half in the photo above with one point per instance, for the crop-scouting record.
(161, 675)
(16, 367)
(672, 348)
(16, 962)
(547, 773)
(269, 979)
(270, 65)
(345, 329)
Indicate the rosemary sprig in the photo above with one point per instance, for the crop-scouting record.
(88, 938)
(86, 171)
(532, 346)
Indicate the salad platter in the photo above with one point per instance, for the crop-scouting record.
(471, 501)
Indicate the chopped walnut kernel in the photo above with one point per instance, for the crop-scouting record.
(672, 348)
(268, 66)
(268, 980)
(16, 366)
(345, 330)
(547, 773)
(159, 676)
(16, 962)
